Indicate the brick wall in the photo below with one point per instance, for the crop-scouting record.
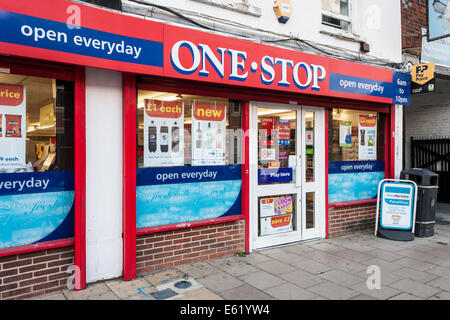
(167, 249)
(31, 274)
(344, 220)
(414, 17)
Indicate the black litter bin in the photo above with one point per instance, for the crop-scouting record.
(428, 183)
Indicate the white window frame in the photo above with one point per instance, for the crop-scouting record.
(345, 18)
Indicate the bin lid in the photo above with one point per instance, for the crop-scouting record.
(419, 172)
(423, 177)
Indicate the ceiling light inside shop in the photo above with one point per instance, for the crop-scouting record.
(265, 112)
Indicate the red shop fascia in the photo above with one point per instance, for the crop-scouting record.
(59, 38)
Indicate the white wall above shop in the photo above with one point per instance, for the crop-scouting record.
(376, 22)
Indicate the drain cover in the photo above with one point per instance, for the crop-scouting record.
(164, 294)
(183, 284)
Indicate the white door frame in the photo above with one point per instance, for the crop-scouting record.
(299, 187)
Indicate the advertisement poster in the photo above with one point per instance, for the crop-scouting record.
(397, 206)
(275, 175)
(354, 180)
(345, 134)
(13, 127)
(163, 133)
(284, 132)
(276, 224)
(367, 137)
(36, 207)
(423, 78)
(208, 133)
(267, 207)
(276, 215)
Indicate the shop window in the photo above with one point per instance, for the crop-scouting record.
(189, 156)
(356, 155)
(36, 160)
(336, 14)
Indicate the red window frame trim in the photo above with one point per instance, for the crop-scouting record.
(153, 83)
(37, 68)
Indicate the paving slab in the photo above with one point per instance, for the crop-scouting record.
(234, 266)
(415, 264)
(385, 255)
(341, 278)
(288, 257)
(444, 295)
(301, 278)
(288, 291)
(220, 282)
(200, 294)
(51, 296)
(386, 278)
(320, 256)
(198, 269)
(312, 266)
(353, 255)
(255, 257)
(363, 297)
(163, 276)
(405, 296)
(262, 280)
(440, 271)
(442, 283)
(332, 291)
(415, 288)
(385, 266)
(275, 267)
(95, 291)
(245, 292)
(349, 266)
(416, 275)
(126, 289)
(383, 293)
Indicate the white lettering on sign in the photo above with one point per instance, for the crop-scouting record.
(204, 60)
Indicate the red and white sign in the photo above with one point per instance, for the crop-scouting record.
(276, 224)
(163, 133)
(208, 133)
(13, 124)
(68, 32)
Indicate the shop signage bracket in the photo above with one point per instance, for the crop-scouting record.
(396, 209)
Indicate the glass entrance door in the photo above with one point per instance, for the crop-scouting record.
(284, 202)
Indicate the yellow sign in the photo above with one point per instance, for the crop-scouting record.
(47, 116)
(422, 73)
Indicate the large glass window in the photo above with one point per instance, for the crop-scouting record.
(189, 152)
(36, 159)
(356, 154)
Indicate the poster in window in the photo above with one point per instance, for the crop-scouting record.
(284, 132)
(345, 134)
(367, 137)
(13, 118)
(208, 133)
(163, 133)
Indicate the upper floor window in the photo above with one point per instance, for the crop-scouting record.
(336, 14)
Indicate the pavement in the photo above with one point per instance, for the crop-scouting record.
(341, 268)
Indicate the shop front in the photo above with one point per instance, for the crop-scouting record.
(228, 146)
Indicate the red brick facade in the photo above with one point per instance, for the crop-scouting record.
(32, 274)
(344, 220)
(414, 18)
(171, 248)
